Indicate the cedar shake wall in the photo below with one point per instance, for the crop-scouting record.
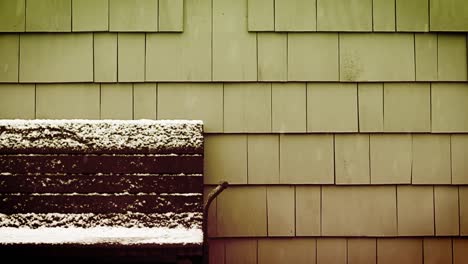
(341, 125)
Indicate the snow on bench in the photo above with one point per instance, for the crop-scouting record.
(84, 182)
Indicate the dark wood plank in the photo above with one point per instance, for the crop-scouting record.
(100, 136)
(148, 203)
(90, 164)
(100, 184)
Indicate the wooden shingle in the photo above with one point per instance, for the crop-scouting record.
(263, 159)
(131, 57)
(240, 251)
(90, 15)
(352, 161)
(308, 210)
(286, 250)
(272, 56)
(371, 114)
(48, 16)
(437, 250)
(9, 57)
(144, 101)
(12, 16)
(261, 15)
(449, 15)
(117, 101)
(415, 210)
(426, 57)
(17, 101)
(362, 251)
(383, 12)
(449, 107)
(171, 15)
(452, 57)
(288, 102)
(281, 209)
(412, 15)
(433, 150)
(459, 154)
(135, 16)
(344, 15)
(105, 57)
(446, 211)
(295, 15)
(400, 250)
(331, 251)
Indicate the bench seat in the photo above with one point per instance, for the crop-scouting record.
(121, 188)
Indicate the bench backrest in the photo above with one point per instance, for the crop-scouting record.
(148, 171)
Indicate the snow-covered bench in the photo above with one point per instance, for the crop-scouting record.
(113, 190)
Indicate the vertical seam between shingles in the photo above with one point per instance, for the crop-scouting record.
(414, 56)
(372, 13)
(287, 56)
(25, 13)
(271, 107)
(459, 212)
(339, 54)
(306, 110)
(144, 63)
(108, 15)
(35, 101)
(295, 211)
(422, 249)
(159, 16)
(133, 101)
(100, 101)
(437, 55)
(266, 202)
(451, 244)
(19, 58)
(247, 157)
(117, 77)
(369, 156)
(451, 161)
(429, 15)
(223, 102)
(395, 12)
(357, 108)
(71, 15)
(434, 212)
(396, 207)
(430, 111)
(279, 158)
(256, 47)
(383, 106)
(274, 15)
(94, 64)
(334, 158)
(212, 46)
(321, 213)
(156, 94)
(411, 162)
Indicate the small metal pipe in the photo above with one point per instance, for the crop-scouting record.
(211, 196)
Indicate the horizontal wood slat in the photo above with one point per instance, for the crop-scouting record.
(100, 184)
(78, 203)
(100, 136)
(101, 164)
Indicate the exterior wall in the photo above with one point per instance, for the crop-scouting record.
(341, 125)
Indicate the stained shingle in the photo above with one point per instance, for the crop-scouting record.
(446, 211)
(131, 57)
(437, 250)
(459, 154)
(241, 251)
(426, 57)
(144, 100)
(286, 250)
(331, 251)
(362, 251)
(308, 210)
(398, 250)
(352, 159)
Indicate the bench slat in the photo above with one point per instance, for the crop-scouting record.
(100, 184)
(101, 136)
(78, 203)
(89, 164)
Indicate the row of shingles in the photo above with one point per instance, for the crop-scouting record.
(264, 107)
(358, 15)
(91, 15)
(339, 251)
(78, 101)
(334, 211)
(233, 54)
(128, 57)
(341, 159)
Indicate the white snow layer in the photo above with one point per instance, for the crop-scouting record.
(99, 135)
(101, 235)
